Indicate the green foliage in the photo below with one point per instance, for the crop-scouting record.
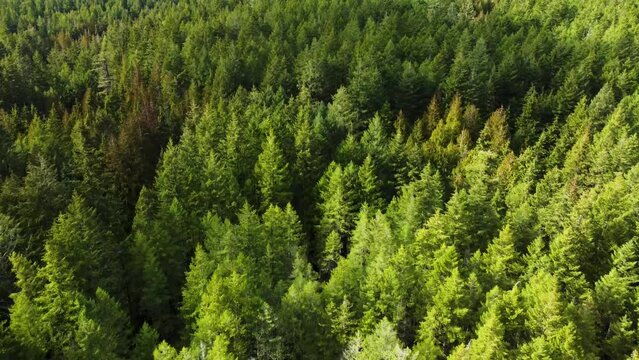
(338, 206)
(303, 317)
(381, 344)
(80, 252)
(319, 180)
(227, 310)
(145, 342)
(444, 324)
(417, 201)
(489, 343)
(501, 260)
(273, 178)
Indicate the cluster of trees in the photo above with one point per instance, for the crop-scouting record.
(354, 179)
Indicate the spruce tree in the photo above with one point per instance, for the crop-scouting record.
(272, 174)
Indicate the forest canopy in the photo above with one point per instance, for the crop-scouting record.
(319, 179)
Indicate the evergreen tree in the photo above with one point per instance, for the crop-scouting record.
(489, 343)
(272, 175)
(527, 122)
(81, 252)
(303, 316)
(416, 202)
(35, 204)
(338, 203)
(444, 325)
(145, 342)
(369, 184)
(268, 342)
(501, 260)
(223, 325)
(381, 344)
(614, 298)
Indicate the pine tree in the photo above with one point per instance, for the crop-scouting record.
(552, 332)
(527, 123)
(614, 149)
(283, 237)
(566, 253)
(469, 74)
(341, 318)
(200, 270)
(277, 74)
(113, 322)
(350, 151)
(11, 240)
(150, 283)
(26, 318)
(489, 343)
(614, 299)
(374, 140)
(308, 158)
(332, 251)
(164, 351)
(501, 260)
(381, 344)
(144, 343)
(364, 86)
(337, 204)
(343, 111)
(602, 105)
(384, 294)
(35, 205)
(272, 175)
(411, 90)
(303, 317)
(91, 341)
(369, 184)
(442, 148)
(495, 135)
(443, 327)
(269, 342)
(227, 309)
(569, 93)
(416, 202)
(471, 219)
(397, 157)
(5, 152)
(81, 252)
(220, 187)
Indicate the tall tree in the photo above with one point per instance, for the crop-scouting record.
(272, 174)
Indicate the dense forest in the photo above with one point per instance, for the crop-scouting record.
(319, 179)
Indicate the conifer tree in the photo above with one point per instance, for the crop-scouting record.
(527, 123)
(416, 202)
(80, 251)
(501, 260)
(614, 297)
(369, 184)
(489, 343)
(272, 174)
(303, 316)
(283, 237)
(338, 202)
(35, 204)
(145, 342)
(443, 328)
(223, 325)
(381, 344)
(149, 280)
